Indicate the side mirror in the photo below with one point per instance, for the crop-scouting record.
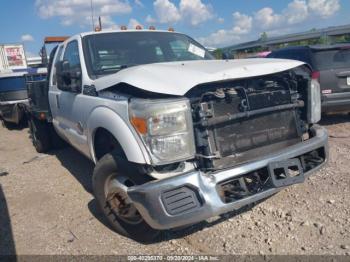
(62, 72)
(68, 79)
(43, 55)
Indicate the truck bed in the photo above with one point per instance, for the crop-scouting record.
(37, 87)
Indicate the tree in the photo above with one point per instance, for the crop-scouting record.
(324, 40)
(263, 36)
(218, 53)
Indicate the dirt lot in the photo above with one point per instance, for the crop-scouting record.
(46, 207)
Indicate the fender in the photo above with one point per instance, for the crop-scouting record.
(111, 121)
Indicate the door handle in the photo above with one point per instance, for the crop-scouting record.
(57, 101)
(80, 128)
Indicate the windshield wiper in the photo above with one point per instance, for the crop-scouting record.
(120, 67)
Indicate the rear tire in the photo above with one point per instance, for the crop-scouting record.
(40, 134)
(110, 176)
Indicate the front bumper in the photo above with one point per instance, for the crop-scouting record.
(151, 198)
(336, 102)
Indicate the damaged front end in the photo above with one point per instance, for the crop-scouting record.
(253, 137)
(238, 121)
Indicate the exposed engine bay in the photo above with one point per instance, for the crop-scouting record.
(238, 121)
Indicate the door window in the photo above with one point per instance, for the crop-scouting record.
(70, 68)
(71, 54)
(54, 77)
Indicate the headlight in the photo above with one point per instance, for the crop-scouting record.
(314, 107)
(165, 126)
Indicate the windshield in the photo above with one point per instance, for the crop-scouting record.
(332, 59)
(110, 52)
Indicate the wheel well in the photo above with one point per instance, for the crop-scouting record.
(105, 142)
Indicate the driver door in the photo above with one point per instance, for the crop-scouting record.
(70, 98)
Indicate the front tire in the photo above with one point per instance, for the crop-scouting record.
(112, 175)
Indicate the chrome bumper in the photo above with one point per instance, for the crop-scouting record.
(149, 197)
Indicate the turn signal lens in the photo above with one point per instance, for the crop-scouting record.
(140, 124)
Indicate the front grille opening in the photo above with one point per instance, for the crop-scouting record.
(280, 174)
(293, 171)
(260, 180)
(238, 121)
(313, 159)
(244, 186)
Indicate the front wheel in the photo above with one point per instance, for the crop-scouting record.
(110, 182)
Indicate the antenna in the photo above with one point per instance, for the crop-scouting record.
(100, 22)
(92, 15)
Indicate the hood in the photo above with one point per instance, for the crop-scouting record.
(177, 78)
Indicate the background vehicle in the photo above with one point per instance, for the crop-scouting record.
(331, 67)
(177, 137)
(13, 97)
(13, 93)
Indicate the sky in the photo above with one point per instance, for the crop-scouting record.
(215, 23)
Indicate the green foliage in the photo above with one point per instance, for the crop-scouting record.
(217, 53)
(263, 36)
(341, 39)
(324, 40)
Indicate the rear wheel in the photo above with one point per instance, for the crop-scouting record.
(110, 182)
(40, 134)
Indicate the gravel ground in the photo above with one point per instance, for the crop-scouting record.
(46, 207)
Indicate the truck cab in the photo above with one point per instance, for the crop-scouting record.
(176, 136)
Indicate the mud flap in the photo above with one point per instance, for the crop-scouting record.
(286, 173)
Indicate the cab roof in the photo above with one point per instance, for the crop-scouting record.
(126, 31)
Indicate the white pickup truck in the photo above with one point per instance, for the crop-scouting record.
(177, 136)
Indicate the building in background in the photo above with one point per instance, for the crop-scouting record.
(330, 35)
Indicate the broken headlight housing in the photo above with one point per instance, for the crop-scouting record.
(314, 107)
(165, 126)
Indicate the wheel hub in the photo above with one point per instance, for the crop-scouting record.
(119, 202)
